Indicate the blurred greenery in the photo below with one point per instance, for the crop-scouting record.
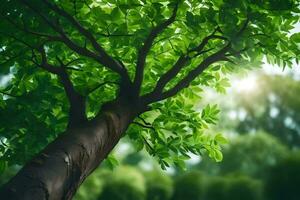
(249, 154)
(284, 179)
(189, 186)
(233, 188)
(273, 108)
(260, 162)
(159, 186)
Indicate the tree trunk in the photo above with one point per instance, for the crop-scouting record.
(62, 166)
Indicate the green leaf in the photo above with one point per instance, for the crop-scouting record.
(220, 139)
(112, 161)
(218, 155)
(117, 15)
(295, 37)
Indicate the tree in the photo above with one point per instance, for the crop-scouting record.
(233, 187)
(283, 179)
(83, 71)
(261, 149)
(159, 186)
(124, 184)
(189, 186)
(278, 113)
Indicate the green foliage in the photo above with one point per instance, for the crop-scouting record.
(189, 186)
(34, 107)
(159, 186)
(234, 188)
(179, 131)
(47, 110)
(284, 179)
(125, 183)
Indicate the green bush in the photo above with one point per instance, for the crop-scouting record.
(159, 186)
(125, 183)
(216, 189)
(233, 188)
(251, 155)
(93, 185)
(121, 191)
(243, 188)
(188, 186)
(283, 181)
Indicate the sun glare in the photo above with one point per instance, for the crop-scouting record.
(245, 85)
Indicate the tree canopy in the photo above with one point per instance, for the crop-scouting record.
(68, 58)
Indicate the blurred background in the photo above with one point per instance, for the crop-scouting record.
(260, 117)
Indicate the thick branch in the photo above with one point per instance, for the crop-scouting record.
(244, 26)
(182, 61)
(169, 75)
(103, 58)
(8, 94)
(196, 72)
(115, 35)
(153, 97)
(107, 60)
(143, 51)
(77, 102)
(204, 42)
(220, 55)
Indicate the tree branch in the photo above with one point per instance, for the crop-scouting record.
(182, 61)
(77, 102)
(116, 35)
(102, 84)
(143, 51)
(107, 60)
(204, 42)
(244, 26)
(170, 74)
(103, 58)
(144, 126)
(155, 96)
(8, 94)
(148, 144)
(196, 72)
(144, 121)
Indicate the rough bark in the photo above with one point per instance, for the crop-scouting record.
(62, 166)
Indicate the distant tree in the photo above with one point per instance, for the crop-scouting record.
(273, 108)
(159, 186)
(251, 154)
(189, 186)
(284, 179)
(215, 189)
(83, 71)
(124, 183)
(234, 188)
(93, 185)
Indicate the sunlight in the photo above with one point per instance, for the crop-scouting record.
(245, 85)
